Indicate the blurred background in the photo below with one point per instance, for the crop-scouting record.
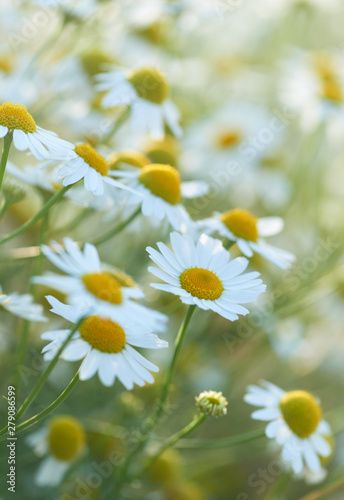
(260, 89)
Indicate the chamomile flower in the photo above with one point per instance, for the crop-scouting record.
(146, 91)
(43, 144)
(159, 190)
(104, 343)
(61, 442)
(92, 285)
(22, 306)
(203, 274)
(247, 231)
(84, 162)
(295, 422)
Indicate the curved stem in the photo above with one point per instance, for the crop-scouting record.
(151, 422)
(38, 216)
(117, 124)
(112, 232)
(171, 441)
(4, 157)
(42, 379)
(60, 398)
(225, 442)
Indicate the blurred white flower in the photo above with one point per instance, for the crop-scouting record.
(105, 345)
(204, 275)
(295, 422)
(22, 306)
(145, 90)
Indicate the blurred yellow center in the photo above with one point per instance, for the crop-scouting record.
(16, 116)
(301, 412)
(332, 90)
(331, 87)
(66, 438)
(150, 84)
(92, 158)
(103, 334)
(163, 181)
(132, 158)
(104, 287)
(201, 283)
(5, 65)
(163, 151)
(229, 139)
(242, 223)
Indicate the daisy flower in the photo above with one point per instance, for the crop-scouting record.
(159, 190)
(246, 230)
(61, 442)
(295, 422)
(43, 144)
(203, 274)
(146, 91)
(104, 343)
(92, 285)
(84, 162)
(22, 306)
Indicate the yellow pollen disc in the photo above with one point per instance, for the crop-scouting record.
(229, 139)
(333, 91)
(150, 84)
(16, 116)
(163, 151)
(103, 334)
(122, 278)
(201, 283)
(94, 61)
(242, 223)
(5, 65)
(301, 412)
(103, 286)
(132, 158)
(92, 158)
(66, 438)
(163, 181)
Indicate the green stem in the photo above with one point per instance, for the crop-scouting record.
(112, 232)
(60, 398)
(4, 157)
(38, 216)
(115, 127)
(225, 442)
(171, 441)
(161, 404)
(42, 379)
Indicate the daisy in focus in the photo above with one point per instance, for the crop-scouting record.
(94, 286)
(247, 231)
(296, 423)
(22, 306)
(159, 190)
(203, 274)
(105, 345)
(27, 135)
(62, 441)
(145, 90)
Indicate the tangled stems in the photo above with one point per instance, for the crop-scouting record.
(38, 216)
(115, 230)
(161, 404)
(4, 157)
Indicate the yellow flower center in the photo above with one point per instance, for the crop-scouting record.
(150, 84)
(122, 278)
(16, 116)
(103, 334)
(92, 158)
(104, 287)
(5, 65)
(163, 181)
(242, 223)
(229, 139)
(301, 412)
(333, 91)
(132, 158)
(201, 283)
(66, 438)
(331, 87)
(164, 151)
(94, 61)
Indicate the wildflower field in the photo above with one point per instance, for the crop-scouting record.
(171, 241)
